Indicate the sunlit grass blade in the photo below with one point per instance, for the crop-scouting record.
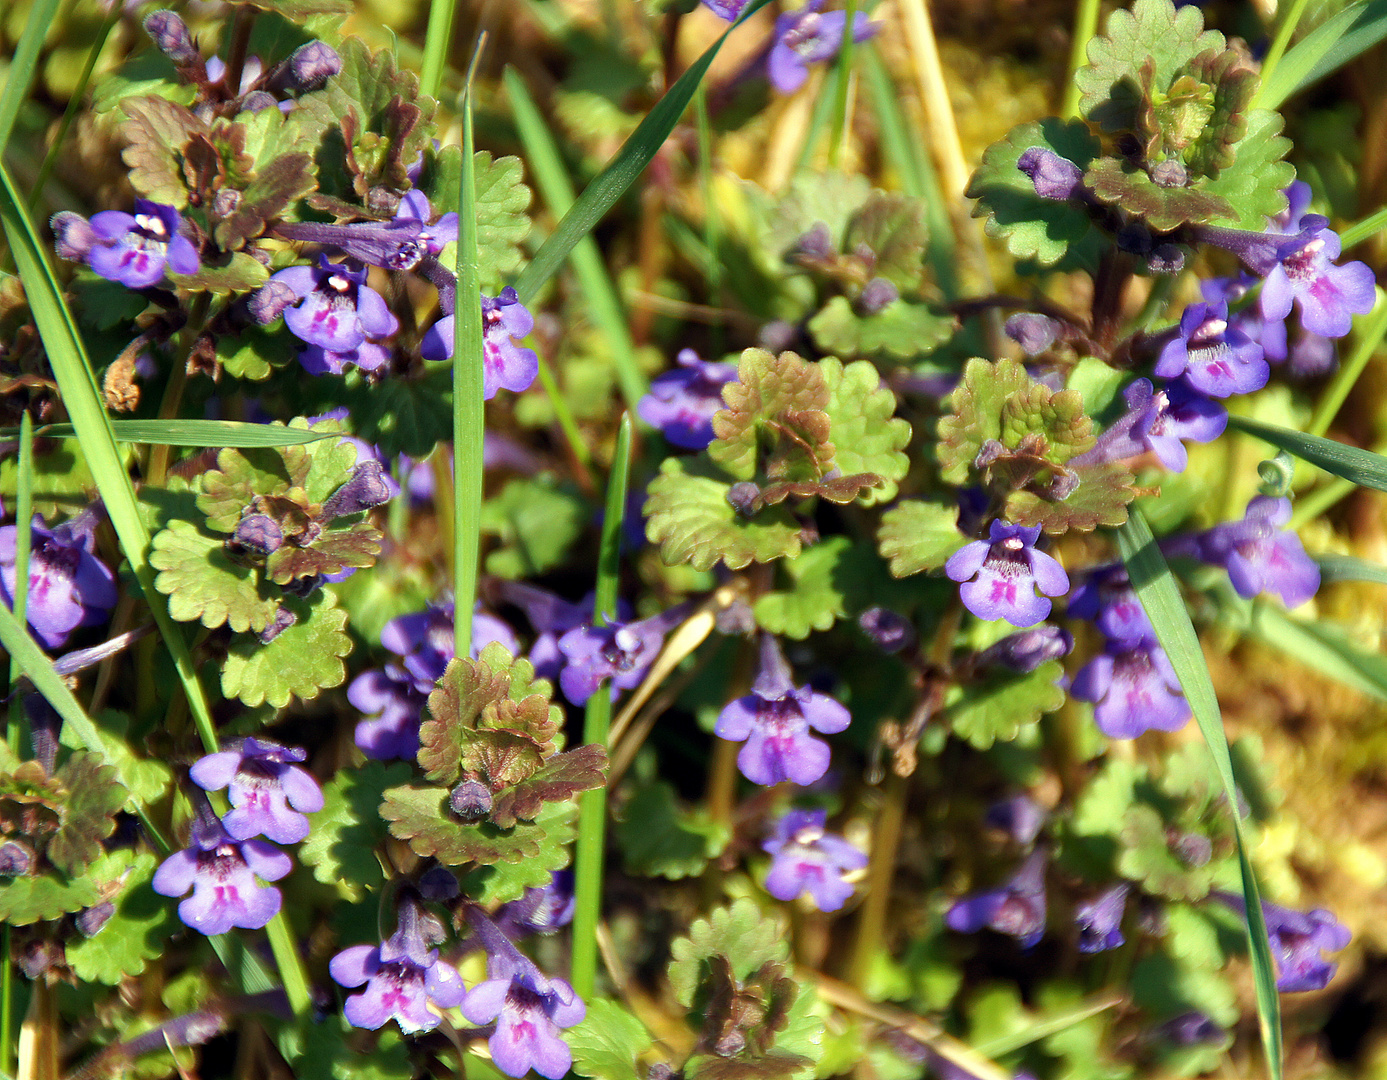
(1051, 1024)
(1369, 227)
(1085, 26)
(20, 75)
(603, 304)
(1290, 19)
(235, 433)
(1347, 568)
(1323, 647)
(621, 172)
(844, 88)
(1165, 608)
(592, 805)
(1324, 50)
(469, 408)
(438, 38)
(1361, 467)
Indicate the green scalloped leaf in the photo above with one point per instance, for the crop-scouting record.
(1057, 415)
(299, 662)
(862, 420)
(1102, 497)
(501, 201)
(1147, 857)
(28, 900)
(1254, 185)
(203, 584)
(422, 818)
(608, 1042)
(502, 882)
(902, 329)
(816, 597)
(775, 411)
(892, 227)
(256, 352)
(336, 548)
(94, 795)
(975, 413)
(330, 1049)
(691, 520)
(659, 838)
(1032, 227)
(1125, 184)
(138, 931)
(537, 521)
(156, 132)
(1152, 32)
(237, 273)
(917, 535)
(341, 848)
(146, 780)
(740, 933)
(562, 776)
(998, 707)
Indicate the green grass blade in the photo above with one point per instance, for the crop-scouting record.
(469, 410)
(819, 117)
(1289, 21)
(843, 89)
(437, 40)
(1160, 598)
(82, 399)
(24, 66)
(1324, 50)
(1361, 467)
(1085, 26)
(1369, 227)
(592, 805)
(1043, 1029)
(1347, 568)
(190, 433)
(547, 167)
(1323, 647)
(621, 172)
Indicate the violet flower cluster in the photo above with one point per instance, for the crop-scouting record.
(69, 587)
(136, 250)
(807, 35)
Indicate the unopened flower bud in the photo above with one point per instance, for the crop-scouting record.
(1054, 177)
(225, 202)
(284, 618)
(1192, 849)
(743, 496)
(16, 859)
(887, 630)
(876, 295)
(91, 921)
(72, 236)
(268, 302)
(1169, 174)
(438, 884)
(38, 956)
(170, 34)
(1025, 651)
(313, 64)
(471, 801)
(1190, 1029)
(817, 243)
(1166, 259)
(257, 100)
(1032, 331)
(366, 488)
(258, 533)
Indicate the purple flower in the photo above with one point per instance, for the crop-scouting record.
(551, 616)
(1016, 908)
(337, 310)
(1260, 556)
(544, 909)
(888, 630)
(1214, 355)
(393, 245)
(404, 977)
(68, 585)
(1298, 940)
(368, 356)
(135, 248)
(1020, 817)
(806, 37)
(1106, 597)
(264, 781)
(730, 10)
(414, 206)
(1100, 920)
(1054, 177)
(222, 873)
(1026, 650)
(622, 652)
(1134, 689)
(681, 403)
(505, 365)
(527, 1008)
(774, 720)
(1157, 421)
(1002, 572)
(1190, 1029)
(804, 858)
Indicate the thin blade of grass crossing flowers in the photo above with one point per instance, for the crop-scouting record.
(1272, 61)
(844, 88)
(627, 164)
(1371, 329)
(712, 224)
(1348, 568)
(1321, 646)
(547, 167)
(469, 409)
(201, 433)
(1160, 598)
(21, 72)
(23, 546)
(592, 805)
(1085, 26)
(1369, 227)
(1361, 467)
(819, 117)
(1323, 51)
(438, 37)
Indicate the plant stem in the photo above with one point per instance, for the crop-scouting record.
(886, 838)
(840, 110)
(236, 55)
(592, 805)
(1281, 41)
(438, 39)
(1085, 26)
(290, 965)
(1369, 227)
(1374, 327)
(159, 453)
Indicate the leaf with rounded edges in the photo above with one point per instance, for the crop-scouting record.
(306, 473)
(998, 706)
(557, 780)
(1152, 32)
(238, 273)
(299, 662)
(892, 227)
(608, 1042)
(775, 406)
(94, 795)
(43, 897)
(659, 838)
(1124, 184)
(202, 583)
(862, 420)
(502, 199)
(423, 818)
(256, 352)
(1147, 857)
(837, 489)
(975, 413)
(502, 882)
(335, 549)
(277, 184)
(156, 132)
(1254, 185)
(146, 780)
(1057, 415)
(1102, 497)
(740, 933)
(902, 329)
(815, 598)
(1033, 227)
(691, 520)
(137, 932)
(917, 535)
(341, 848)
